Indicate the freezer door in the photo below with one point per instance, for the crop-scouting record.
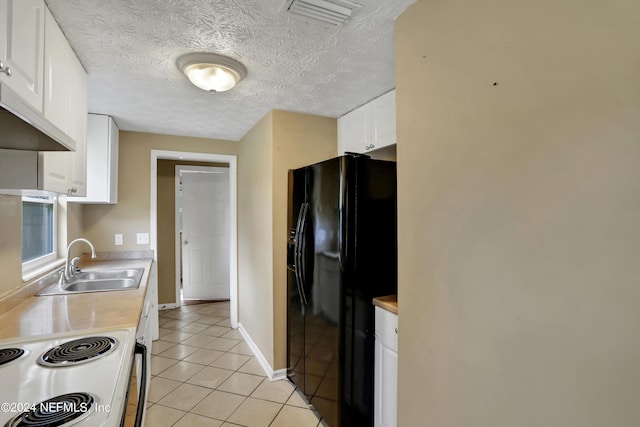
(369, 270)
(323, 290)
(295, 305)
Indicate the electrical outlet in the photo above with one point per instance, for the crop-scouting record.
(142, 238)
(118, 239)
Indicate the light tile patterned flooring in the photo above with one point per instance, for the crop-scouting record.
(204, 374)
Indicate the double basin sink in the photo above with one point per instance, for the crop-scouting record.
(97, 281)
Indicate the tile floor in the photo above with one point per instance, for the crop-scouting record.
(204, 374)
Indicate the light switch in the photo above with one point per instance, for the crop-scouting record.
(118, 239)
(142, 238)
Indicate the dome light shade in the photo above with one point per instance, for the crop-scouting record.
(210, 71)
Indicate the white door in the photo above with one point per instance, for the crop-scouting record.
(205, 232)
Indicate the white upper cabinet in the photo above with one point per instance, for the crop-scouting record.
(22, 50)
(369, 127)
(354, 131)
(55, 169)
(102, 161)
(78, 101)
(57, 72)
(65, 107)
(383, 120)
(65, 98)
(78, 126)
(40, 78)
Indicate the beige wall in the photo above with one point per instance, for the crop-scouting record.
(298, 140)
(10, 243)
(69, 228)
(167, 237)
(74, 221)
(99, 223)
(255, 235)
(131, 215)
(166, 219)
(279, 142)
(518, 260)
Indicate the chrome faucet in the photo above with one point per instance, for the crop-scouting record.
(71, 267)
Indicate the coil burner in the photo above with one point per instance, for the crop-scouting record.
(8, 355)
(58, 411)
(78, 351)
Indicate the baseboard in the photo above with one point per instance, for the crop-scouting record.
(170, 306)
(280, 374)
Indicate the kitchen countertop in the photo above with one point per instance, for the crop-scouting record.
(389, 303)
(34, 316)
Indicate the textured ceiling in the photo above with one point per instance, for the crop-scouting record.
(129, 49)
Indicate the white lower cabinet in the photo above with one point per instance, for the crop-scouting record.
(147, 329)
(386, 369)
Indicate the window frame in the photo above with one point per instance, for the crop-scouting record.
(31, 267)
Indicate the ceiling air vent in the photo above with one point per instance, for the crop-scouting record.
(331, 13)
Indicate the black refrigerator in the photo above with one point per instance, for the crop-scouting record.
(342, 252)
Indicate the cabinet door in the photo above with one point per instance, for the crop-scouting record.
(78, 126)
(56, 169)
(386, 369)
(386, 390)
(22, 49)
(57, 82)
(383, 118)
(65, 106)
(102, 161)
(354, 131)
(112, 177)
(77, 101)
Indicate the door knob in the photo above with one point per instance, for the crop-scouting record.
(5, 70)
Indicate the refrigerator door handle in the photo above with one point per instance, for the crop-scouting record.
(297, 252)
(303, 252)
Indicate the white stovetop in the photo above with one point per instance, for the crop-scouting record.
(25, 382)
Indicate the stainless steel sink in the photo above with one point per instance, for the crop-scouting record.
(101, 285)
(98, 281)
(109, 274)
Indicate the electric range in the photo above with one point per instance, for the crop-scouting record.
(68, 380)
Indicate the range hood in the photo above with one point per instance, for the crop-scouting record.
(16, 134)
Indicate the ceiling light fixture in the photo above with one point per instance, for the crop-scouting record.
(210, 71)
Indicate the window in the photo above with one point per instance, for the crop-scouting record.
(38, 231)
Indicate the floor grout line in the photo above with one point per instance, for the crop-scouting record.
(185, 322)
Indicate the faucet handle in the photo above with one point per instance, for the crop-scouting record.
(73, 266)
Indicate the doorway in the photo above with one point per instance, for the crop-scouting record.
(224, 160)
(202, 228)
